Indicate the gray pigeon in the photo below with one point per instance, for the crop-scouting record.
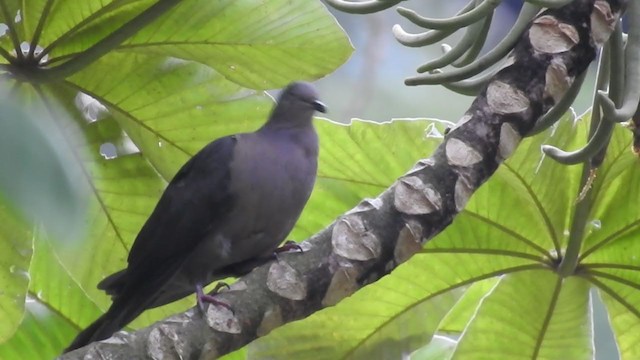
(225, 211)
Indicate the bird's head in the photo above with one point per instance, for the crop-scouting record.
(303, 94)
(296, 105)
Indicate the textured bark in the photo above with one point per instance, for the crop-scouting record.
(372, 239)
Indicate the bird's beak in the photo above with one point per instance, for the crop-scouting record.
(319, 106)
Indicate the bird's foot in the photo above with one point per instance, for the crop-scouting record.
(210, 298)
(288, 246)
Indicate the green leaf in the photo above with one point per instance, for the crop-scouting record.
(259, 45)
(170, 108)
(69, 26)
(531, 315)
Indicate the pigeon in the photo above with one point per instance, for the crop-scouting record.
(226, 209)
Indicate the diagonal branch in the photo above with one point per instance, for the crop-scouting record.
(367, 242)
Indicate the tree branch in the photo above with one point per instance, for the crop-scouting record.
(370, 240)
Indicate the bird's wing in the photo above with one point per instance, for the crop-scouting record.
(194, 203)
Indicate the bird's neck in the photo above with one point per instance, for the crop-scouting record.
(286, 116)
(302, 136)
(275, 128)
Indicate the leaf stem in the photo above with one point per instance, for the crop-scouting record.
(362, 7)
(576, 234)
(102, 47)
(74, 30)
(5, 54)
(39, 27)
(571, 258)
(13, 34)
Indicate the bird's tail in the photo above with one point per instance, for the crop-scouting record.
(114, 319)
(100, 329)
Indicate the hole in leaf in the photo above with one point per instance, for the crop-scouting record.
(127, 146)
(108, 151)
(24, 47)
(90, 108)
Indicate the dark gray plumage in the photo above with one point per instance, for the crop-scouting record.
(228, 206)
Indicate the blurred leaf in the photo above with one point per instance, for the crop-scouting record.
(37, 183)
(38, 174)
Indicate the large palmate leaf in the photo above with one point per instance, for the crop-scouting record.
(256, 44)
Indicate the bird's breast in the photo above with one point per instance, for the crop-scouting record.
(271, 182)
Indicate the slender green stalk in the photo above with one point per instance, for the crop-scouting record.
(425, 38)
(477, 13)
(415, 18)
(578, 225)
(362, 7)
(13, 34)
(599, 138)
(585, 199)
(96, 15)
(474, 33)
(39, 27)
(474, 50)
(527, 13)
(5, 54)
(556, 112)
(624, 110)
(471, 87)
(550, 3)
